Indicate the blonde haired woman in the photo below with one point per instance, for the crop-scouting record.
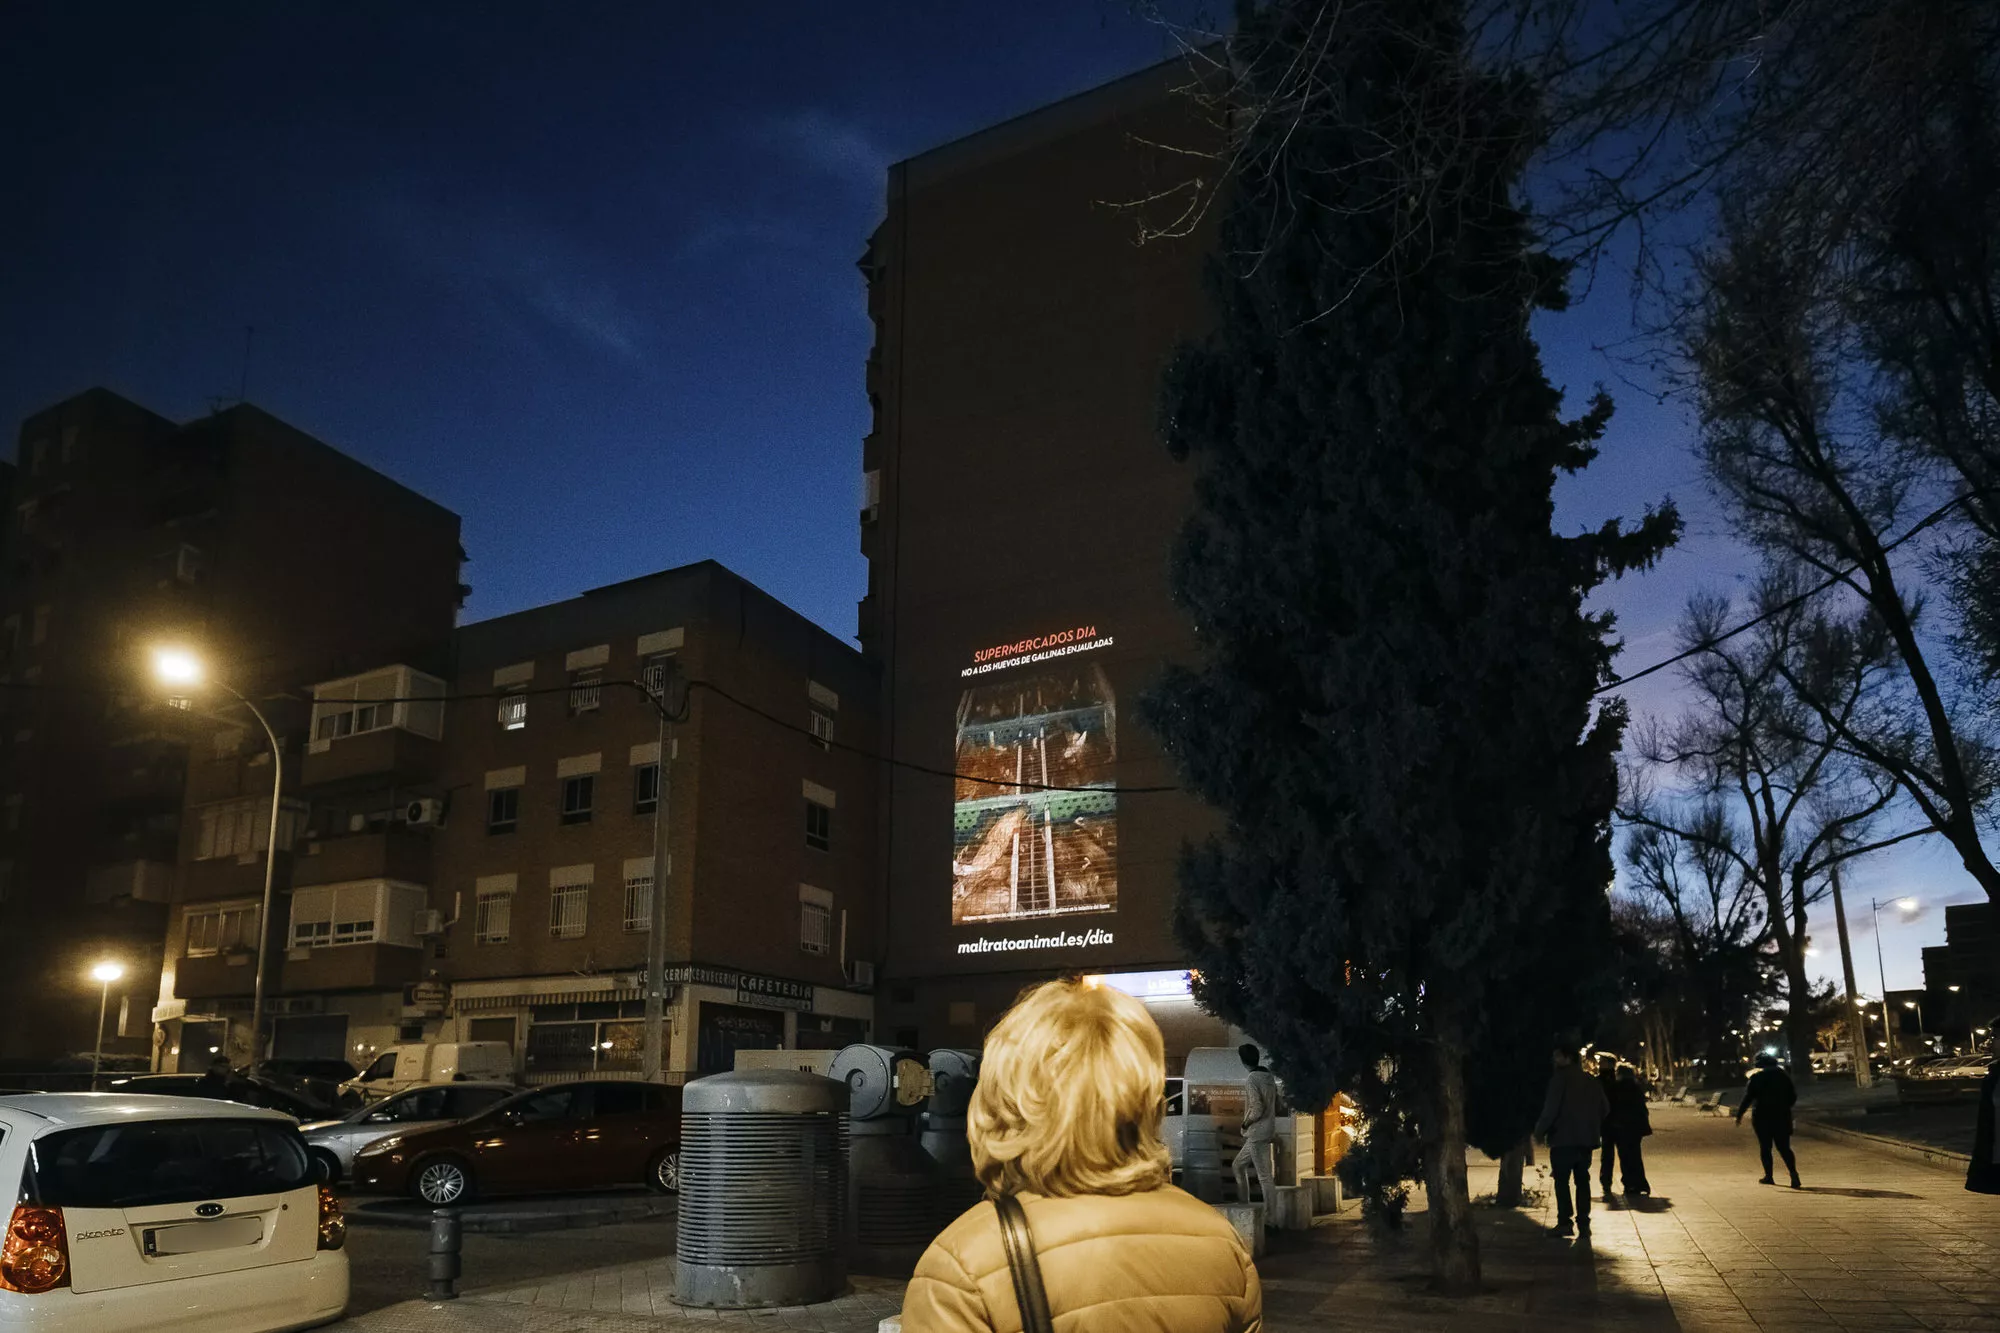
(1066, 1121)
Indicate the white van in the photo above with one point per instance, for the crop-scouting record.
(401, 1068)
(1204, 1123)
(136, 1214)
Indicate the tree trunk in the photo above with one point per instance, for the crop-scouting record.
(1512, 1166)
(1454, 1242)
(1800, 1032)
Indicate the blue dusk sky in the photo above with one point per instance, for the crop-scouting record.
(586, 273)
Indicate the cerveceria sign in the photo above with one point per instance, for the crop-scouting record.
(752, 989)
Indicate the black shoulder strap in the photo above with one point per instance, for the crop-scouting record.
(1020, 1243)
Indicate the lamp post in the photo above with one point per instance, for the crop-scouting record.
(1906, 906)
(103, 974)
(178, 666)
(1917, 1005)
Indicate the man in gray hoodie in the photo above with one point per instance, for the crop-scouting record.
(1571, 1123)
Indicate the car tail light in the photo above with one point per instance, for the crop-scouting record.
(332, 1226)
(35, 1255)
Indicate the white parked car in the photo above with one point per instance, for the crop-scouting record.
(163, 1214)
(334, 1142)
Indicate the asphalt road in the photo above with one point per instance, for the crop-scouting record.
(387, 1264)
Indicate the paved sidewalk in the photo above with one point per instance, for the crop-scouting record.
(1872, 1243)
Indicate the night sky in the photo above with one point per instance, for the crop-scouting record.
(586, 274)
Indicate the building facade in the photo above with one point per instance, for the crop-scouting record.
(480, 846)
(1018, 518)
(234, 535)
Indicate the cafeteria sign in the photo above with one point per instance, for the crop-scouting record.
(751, 989)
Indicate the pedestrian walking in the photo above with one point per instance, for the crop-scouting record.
(1607, 1078)
(1627, 1123)
(1769, 1097)
(1260, 1129)
(1080, 1226)
(1571, 1123)
(1983, 1175)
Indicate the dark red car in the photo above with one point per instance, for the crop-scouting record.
(576, 1136)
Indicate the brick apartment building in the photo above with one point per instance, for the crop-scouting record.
(480, 867)
(234, 534)
(1019, 515)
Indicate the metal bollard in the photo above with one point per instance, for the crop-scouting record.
(444, 1265)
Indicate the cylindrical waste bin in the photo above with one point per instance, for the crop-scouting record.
(954, 1075)
(892, 1182)
(763, 1190)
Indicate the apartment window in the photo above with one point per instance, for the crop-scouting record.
(38, 457)
(348, 721)
(221, 929)
(819, 825)
(493, 910)
(39, 633)
(242, 828)
(69, 438)
(815, 919)
(638, 902)
(569, 901)
(6, 880)
(586, 690)
(360, 912)
(579, 797)
(10, 814)
(822, 729)
(653, 675)
(514, 710)
(503, 809)
(645, 789)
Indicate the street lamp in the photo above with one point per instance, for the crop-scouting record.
(1905, 906)
(180, 666)
(103, 974)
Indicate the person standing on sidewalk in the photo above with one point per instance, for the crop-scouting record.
(1627, 1124)
(1607, 1079)
(1064, 1129)
(1571, 1122)
(1771, 1094)
(1983, 1175)
(1260, 1130)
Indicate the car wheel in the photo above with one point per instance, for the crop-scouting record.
(329, 1166)
(664, 1175)
(441, 1181)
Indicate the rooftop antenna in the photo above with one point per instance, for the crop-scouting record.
(220, 401)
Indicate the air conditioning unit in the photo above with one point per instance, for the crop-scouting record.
(424, 810)
(863, 970)
(427, 921)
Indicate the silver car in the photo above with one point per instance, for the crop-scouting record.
(334, 1142)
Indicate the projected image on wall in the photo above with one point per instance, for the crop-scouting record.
(1020, 852)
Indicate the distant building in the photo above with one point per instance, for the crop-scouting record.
(275, 557)
(1962, 976)
(482, 869)
(1019, 514)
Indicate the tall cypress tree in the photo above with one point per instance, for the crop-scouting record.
(1393, 705)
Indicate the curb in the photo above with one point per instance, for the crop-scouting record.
(524, 1220)
(1919, 1152)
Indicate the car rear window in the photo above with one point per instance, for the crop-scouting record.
(135, 1163)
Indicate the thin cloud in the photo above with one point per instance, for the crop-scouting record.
(524, 278)
(832, 146)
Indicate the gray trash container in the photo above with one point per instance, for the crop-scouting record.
(763, 1190)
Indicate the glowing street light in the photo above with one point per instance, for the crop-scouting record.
(182, 667)
(177, 666)
(103, 974)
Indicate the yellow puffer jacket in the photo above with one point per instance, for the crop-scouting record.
(1157, 1262)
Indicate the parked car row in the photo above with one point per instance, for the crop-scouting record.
(1947, 1067)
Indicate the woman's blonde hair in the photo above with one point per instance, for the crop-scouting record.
(1071, 1090)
